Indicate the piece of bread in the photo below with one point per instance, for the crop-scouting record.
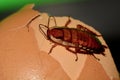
(24, 54)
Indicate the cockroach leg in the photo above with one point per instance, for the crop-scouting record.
(53, 46)
(68, 22)
(53, 19)
(104, 46)
(76, 57)
(86, 30)
(73, 52)
(85, 52)
(95, 57)
(103, 54)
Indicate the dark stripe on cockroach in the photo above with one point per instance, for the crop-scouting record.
(67, 35)
(74, 36)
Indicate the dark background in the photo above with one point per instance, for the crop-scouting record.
(102, 15)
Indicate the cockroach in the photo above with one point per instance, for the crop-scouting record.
(76, 40)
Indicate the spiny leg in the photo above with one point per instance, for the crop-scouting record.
(104, 46)
(49, 21)
(73, 52)
(95, 57)
(68, 22)
(53, 46)
(103, 54)
(88, 53)
(85, 52)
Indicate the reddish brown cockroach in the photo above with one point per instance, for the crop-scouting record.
(76, 40)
